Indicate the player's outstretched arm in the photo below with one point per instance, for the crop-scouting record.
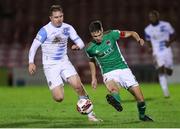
(92, 66)
(32, 52)
(134, 35)
(173, 38)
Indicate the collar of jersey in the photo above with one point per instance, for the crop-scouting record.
(55, 26)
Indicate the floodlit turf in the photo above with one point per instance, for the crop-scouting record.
(33, 107)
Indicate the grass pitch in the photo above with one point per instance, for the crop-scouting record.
(28, 107)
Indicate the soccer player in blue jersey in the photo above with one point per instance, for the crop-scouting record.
(159, 35)
(53, 39)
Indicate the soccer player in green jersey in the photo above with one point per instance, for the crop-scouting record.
(104, 50)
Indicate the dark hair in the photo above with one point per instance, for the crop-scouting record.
(155, 12)
(95, 26)
(55, 8)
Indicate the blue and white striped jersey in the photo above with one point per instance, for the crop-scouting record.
(158, 35)
(53, 41)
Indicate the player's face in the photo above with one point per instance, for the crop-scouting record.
(153, 18)
(97, 36)
(57, 18)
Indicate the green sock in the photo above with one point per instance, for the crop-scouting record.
(141, 109)
(116, 96)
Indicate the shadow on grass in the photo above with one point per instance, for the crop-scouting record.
(36, 121)
(133, 100)
(51, 122)
(21, 124)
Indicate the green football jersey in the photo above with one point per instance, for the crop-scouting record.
(107, 53)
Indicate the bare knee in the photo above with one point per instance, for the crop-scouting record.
(112, 86)
(58, 98)
(113, 90)
(58, 94)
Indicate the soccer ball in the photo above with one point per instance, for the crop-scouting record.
(84, 106)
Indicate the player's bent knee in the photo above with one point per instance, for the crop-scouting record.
(58, 98)
(114, 90)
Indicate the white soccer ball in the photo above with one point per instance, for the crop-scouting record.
(84, 106)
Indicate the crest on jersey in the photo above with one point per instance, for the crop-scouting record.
(108, 42)
(66, 31)
(57, 39)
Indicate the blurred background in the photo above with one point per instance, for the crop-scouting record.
(21, 20)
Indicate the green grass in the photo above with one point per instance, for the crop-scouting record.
(33, 107)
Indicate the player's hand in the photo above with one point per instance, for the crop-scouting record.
(75, 47)
(94, 83)
(141, 42)
(32, 68)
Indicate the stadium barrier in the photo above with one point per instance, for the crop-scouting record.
(4, 76)
(175, 78)
(21, 77)
(143, 73)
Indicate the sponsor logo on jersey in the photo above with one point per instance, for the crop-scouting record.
(108, 42)
(105, 53)
(57, 40)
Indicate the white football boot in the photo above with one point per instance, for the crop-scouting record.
(92, 117)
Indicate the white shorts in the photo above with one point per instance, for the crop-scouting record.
(164, 58)
(56, 73)
(123, 77)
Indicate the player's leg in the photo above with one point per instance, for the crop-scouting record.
(162, 74)
(141, 105)
(70, 75)
(129, 82)
(169, 63)
(58, 93)
(113, 98)
(75, 82)
(111, 80)
(163, 80)
(55, 82)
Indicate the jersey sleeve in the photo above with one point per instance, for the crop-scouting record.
(170, 28)
(35, 45)
(75, 38)
(73, 34)
(89, 53)
(147, 36)
(41, 35)
(115, 34)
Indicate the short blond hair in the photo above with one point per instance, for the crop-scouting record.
(55, 8)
